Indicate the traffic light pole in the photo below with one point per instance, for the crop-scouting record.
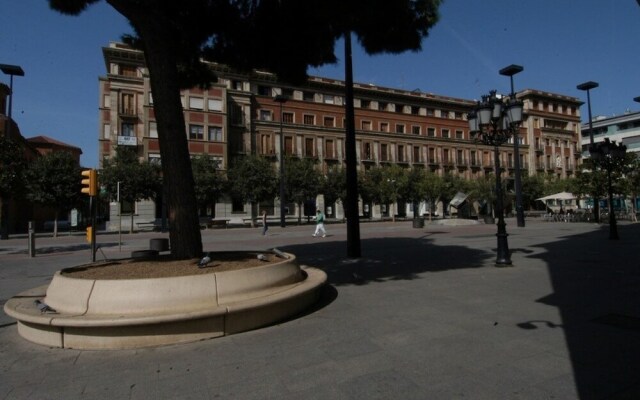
(93, 205)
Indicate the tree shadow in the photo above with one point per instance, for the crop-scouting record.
(596, 288)
(387, 259)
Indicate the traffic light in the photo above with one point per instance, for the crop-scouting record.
(90, 234)
(90, 182)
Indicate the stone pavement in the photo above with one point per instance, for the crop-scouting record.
(424, 314)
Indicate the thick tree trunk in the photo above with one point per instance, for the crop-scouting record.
(158, 42)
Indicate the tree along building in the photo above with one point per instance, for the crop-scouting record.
(243, 113)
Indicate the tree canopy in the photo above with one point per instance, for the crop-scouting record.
(241, 34)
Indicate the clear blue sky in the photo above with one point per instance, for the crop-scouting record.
(560, 43)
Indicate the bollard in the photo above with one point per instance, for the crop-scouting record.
(32, 239)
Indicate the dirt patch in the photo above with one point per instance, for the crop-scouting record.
(164, 266)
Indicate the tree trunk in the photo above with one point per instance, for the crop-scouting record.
(157, 40)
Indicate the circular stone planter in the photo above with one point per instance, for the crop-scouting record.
(133, 313)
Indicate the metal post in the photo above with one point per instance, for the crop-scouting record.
(510, 71)
(503, 258)
(587, 86)
(613, 227)
(32, 239)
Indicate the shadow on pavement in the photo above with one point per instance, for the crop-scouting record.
(596, 288)
(387, 259)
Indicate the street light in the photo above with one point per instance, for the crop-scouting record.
(493, 121)
(11, 70)
(587, 86)
(510, 71)
(608, 154)
(281, 99)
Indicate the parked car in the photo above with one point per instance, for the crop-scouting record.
(63, 225)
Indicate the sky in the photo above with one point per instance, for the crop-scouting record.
(560, 44)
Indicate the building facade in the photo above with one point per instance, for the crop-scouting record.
(623, 129)
(240, 115)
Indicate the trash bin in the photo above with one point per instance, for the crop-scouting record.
(418, 222)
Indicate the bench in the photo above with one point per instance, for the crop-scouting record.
(147, 226)
(213, 223)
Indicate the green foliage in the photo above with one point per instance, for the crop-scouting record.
(334, 185)
(12, 166)
(138, 180)
(54, 180)
(253, 179)
(532, 189)
(302, 179)
(210, 182)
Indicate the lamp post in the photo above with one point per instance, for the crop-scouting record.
(587, 86)
(493, 122)
(510, 71)
(281, 99)
(11, 70)
(608, 155)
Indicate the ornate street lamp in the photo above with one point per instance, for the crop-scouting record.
(510, 71)
(587, 86)
(608, 155)
(493, 121)
(281, 99)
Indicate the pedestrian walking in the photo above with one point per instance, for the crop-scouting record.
(265, 227)
(320, 224)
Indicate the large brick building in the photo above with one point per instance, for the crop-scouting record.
(239, 115)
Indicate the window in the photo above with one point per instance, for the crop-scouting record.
(430, 112)
(153, 129)
(401, 153)
(264, 90)
(308, 96)
(235, 114)
(384, 152)
(416, 130)
(399, 128)
(237, 85)
(474, 160)
(265, 144)
(367, 151)
(127, 130)
(445, 133)
(308, 147)
(328, 99)
(196, 132)
(382, 106)
(431, 132)
(128, 70)
(328, 149)
(265, 115)
(288, 145)
(416, 154)
(215, 134)
(154, 159)
(444, 114)
(127, 105)
(384, 127)
(214, 105)
(459, 134)
(309, 119)
(458, 115)
(196, 103)
(365, 103)
(237, 205)
(329, 122)
(287, 117)
(460, 157)
(399, 108)
(106, 131)
(366, 125)
(432, 155)
(415, 110)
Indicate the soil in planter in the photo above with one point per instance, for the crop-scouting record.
(164, 266)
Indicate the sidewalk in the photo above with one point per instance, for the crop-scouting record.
(424, 314)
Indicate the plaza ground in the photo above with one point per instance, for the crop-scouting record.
(423, 314)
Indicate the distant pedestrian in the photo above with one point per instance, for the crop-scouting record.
(265, 227)
(320, 224)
